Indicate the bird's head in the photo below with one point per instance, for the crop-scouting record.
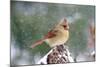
(63, 24)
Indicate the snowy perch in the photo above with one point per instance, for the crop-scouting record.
(57, 55)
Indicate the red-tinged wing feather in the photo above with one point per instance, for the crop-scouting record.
(50, 34)
(37, 43)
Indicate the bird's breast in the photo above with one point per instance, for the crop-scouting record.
(59, 39)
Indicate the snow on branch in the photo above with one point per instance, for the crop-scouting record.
(57, 55)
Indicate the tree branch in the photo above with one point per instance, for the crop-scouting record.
(57, 55)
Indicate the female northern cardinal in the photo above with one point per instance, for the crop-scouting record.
(57, 36)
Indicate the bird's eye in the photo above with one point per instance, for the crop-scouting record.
(64, 26)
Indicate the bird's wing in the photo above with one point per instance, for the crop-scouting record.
(50, 34)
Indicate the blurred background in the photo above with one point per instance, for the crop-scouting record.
(31, 20)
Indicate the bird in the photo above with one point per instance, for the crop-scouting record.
(58, 35)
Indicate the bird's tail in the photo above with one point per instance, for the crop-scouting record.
(37, 43)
